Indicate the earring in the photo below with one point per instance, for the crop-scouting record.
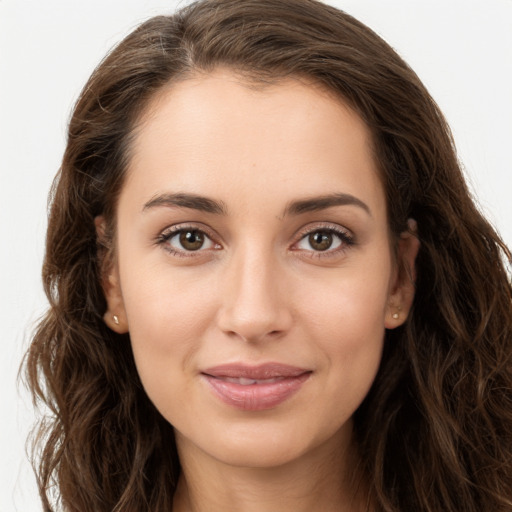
(396, 316)
(116, 319)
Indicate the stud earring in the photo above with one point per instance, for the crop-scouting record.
(396, 316)
(116, 319)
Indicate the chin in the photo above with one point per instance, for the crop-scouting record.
(270, 445)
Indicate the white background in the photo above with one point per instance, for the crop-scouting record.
(461, 49)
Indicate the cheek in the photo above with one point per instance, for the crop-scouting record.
(168, 315)
(347, 322)
(351, 331)
(338, 327)
(172, 305)
(350, 304)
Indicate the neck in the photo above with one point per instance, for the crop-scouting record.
(326, 480)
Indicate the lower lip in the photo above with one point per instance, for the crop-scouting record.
(256, 397)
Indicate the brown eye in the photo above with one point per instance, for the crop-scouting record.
(320, 240)
(191, 240)
(186, 241)
(324, 240)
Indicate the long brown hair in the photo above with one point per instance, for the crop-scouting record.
(435, 431)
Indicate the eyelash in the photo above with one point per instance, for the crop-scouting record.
(346, 240)
(168, 234)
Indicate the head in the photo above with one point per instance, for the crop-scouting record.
(264, 46)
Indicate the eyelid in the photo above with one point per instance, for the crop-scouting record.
(346, 236)
(171, 231)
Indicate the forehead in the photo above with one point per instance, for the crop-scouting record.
(219, 132)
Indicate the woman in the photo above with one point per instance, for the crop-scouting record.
(269, 287)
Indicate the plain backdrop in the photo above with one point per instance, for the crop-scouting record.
(461, 49)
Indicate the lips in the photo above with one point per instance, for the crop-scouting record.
(244, 381)
(255, 388)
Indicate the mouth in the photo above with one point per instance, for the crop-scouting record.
(244, 381)
(255, 388)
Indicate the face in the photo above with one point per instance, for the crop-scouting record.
(254, 268)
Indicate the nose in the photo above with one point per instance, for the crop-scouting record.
(256, 302)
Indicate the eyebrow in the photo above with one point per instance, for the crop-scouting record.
(182, 200)
(314, 204)
(207, 205)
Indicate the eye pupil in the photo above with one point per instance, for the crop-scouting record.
(320, 240)
(191, 240)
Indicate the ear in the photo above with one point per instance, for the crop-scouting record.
(115, 315)
(403, 286)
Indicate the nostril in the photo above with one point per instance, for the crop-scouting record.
(255, 337)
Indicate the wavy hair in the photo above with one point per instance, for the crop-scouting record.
(435, 431)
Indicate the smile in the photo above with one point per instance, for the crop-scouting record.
(255, 388)
(243, 381)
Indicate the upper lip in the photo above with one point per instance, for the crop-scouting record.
(258, 372)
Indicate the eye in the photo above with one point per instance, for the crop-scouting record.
(180, 240)
(190, 240)
(320, 241)
(324, 240)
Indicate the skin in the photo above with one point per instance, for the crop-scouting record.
(258, 290)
